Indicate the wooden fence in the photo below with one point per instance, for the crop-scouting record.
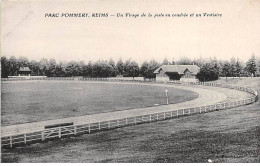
(37, 78)
(110, 79)
(115, 79)
(73, 130)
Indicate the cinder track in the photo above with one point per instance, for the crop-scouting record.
(207, 96)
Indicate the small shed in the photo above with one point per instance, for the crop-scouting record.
(24, 71)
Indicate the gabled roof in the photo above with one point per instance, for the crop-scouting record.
(194, 69)
(24, 69)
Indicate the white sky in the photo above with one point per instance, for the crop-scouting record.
(26, 32)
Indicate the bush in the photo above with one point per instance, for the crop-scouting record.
(208, 72)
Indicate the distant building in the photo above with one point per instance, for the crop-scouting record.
(187, 73)
(24, 71)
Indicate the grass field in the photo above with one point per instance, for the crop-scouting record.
(222, 136)
(29, 101)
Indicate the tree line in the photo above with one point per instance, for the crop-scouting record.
(210, 69)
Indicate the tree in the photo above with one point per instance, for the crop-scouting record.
(87, 70)
(71, 69)
(184, 61)
(133, 69)
(251, 65)
(199, 62)
(216, 66)
(61, 70)
(226, 69)
(44, 66)
(80, 68)
(152, 66)
(23, 61)
(232, 68)
(144, 70)
(173, 62)
(14, 66)
(239, 68)
(51, 72)
(109, 70)
(120, 67)
(208, 72)
(4, 67)
(258, 66)
(147, 69)
(112, 63)
(102, 69)
(165, 61)
(34, 67)
(126, 68)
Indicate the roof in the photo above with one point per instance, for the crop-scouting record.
(24, 69)
(194, 69)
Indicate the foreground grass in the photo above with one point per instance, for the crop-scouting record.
(222, 136)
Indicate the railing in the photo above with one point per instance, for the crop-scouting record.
(111, 79)
(236, 87)
(115, 79)
(13, 79)
(58, 132)
(37, 78)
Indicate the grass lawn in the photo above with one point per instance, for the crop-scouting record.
(222, 136)
(29, 101)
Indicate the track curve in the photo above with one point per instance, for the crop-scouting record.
(207, 96)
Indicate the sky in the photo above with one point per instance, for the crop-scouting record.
(25, 31)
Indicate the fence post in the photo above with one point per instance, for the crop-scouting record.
(42, 135)
(98, 125)
(157, 116)
(205, 108)
(200, 110)
(59, 132)
(25, 138)
(89, 128)
(183, 112)
(108, 124)
(11, 141)
(75, 130)
(189, 111)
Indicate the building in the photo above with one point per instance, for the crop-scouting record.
(187, 73)
(24, 71)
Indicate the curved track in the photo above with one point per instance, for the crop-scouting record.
(207, 96)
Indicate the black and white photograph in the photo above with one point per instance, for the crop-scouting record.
(132, 81)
